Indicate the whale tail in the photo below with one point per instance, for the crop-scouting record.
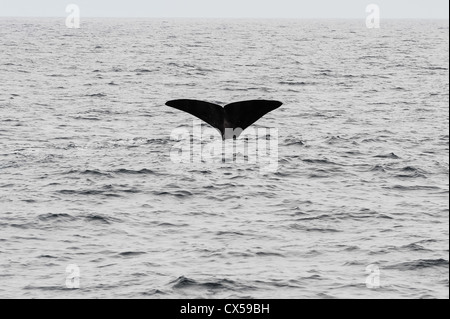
(235, 117)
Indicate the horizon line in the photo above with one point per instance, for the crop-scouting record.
(232, 18)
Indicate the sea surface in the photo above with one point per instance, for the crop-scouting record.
(90, 196)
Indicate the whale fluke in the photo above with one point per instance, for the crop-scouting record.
(235, 117)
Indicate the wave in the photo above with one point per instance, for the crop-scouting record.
(100, 219)
(414, 247)
(377, 168)
(390, 156)
(320, 161)
(142, 71)
(122, 171)
(96, 95)
(128, 254)
(436, 68)
(319, 173)
(411, 172)
(412, 188)
(46, 288)
(268, 254)
(179, 194)
(229, 233)
(63, 218)
(217, 284)
(90, 172)
(293, 141)
(56, 217)
(153, 292)
(420, 264)
(297, 83)
(165, 224)
(314, 229)
(88, 192)
(143, 171)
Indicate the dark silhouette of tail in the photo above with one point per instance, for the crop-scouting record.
(230, 120)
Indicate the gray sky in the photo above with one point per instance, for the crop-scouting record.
(229, 8)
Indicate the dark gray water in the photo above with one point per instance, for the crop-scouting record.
(86, 177)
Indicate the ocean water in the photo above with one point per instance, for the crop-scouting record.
(88, 188)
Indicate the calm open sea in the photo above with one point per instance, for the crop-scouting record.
(86, 177)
